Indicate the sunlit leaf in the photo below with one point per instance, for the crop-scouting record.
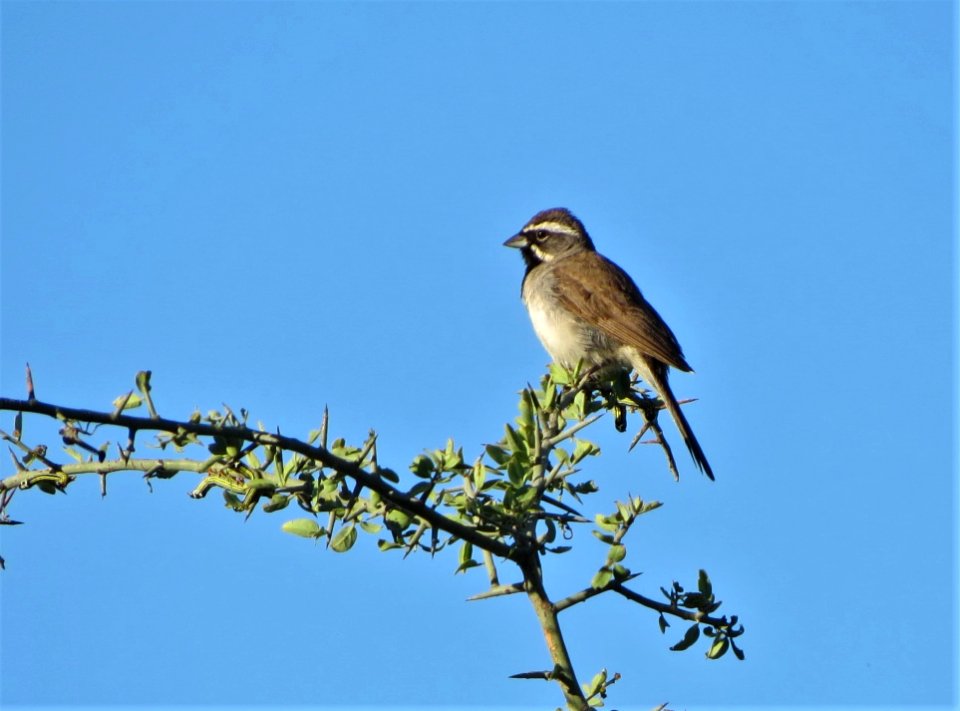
(303, 527)
(603, 578)
(616, 553)
(344, 539)
(719, 648)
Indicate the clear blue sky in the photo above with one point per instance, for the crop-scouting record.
(282, 206)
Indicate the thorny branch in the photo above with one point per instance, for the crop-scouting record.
(510, 508)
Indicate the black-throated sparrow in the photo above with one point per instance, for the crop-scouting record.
(583, 306)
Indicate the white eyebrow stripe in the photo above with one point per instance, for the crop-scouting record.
(552, 227)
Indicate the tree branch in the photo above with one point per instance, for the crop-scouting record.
(320, 454)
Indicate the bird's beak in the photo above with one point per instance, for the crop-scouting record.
(518, 241)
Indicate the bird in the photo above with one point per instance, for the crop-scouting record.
(585, 307)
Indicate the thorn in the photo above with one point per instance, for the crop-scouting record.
(31, 395)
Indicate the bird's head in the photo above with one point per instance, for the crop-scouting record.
(549, 235)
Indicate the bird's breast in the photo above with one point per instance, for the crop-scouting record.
(567, 338)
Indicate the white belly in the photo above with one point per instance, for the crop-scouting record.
(567, 339)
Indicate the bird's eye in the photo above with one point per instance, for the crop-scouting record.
(540, 235)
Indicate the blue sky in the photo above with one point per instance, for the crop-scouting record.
(286, 206)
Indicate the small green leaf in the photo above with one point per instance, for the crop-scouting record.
(344, 540)
(616, 553)
(466, 552)
(73, 453)
(603, 578)
(689, 638)
(143, 381)
(370, 526)
(479, 474)
(303, 527)
(704, 585)
(596, 684)
(132, 401)
(719, 648)
(607, 523)
(663, 623)
(497, 454)
(605, 537)
(400, 519)
(422, 466)
(584, 449)
(516, 472)
(559, 374)
(277, 502)
(514, 440)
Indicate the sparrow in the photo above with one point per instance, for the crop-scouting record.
(585, 307)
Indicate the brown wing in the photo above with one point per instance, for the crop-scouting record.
(598, 291)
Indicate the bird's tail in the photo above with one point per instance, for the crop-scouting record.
(659, 382)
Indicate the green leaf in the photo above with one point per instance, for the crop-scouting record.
(689, 638)
(663, 623)
(559, 374)
(603, 578)
(584, 449)
(607, 523)
(516, 472)
(277, 502)
(704, 585)
(143, 381)
(596, 684)
(73, 453)
(370, 526)
(605, 537)
(548, 398)
(132, 401)
(551, 533)
(497, 454)
(422, 466)
(479, 474)
(514, 440)
(400, 519)
(344, 540)
(466, 552)
(303, 527)
(650, 506)
(616, 553)
(719, 648)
